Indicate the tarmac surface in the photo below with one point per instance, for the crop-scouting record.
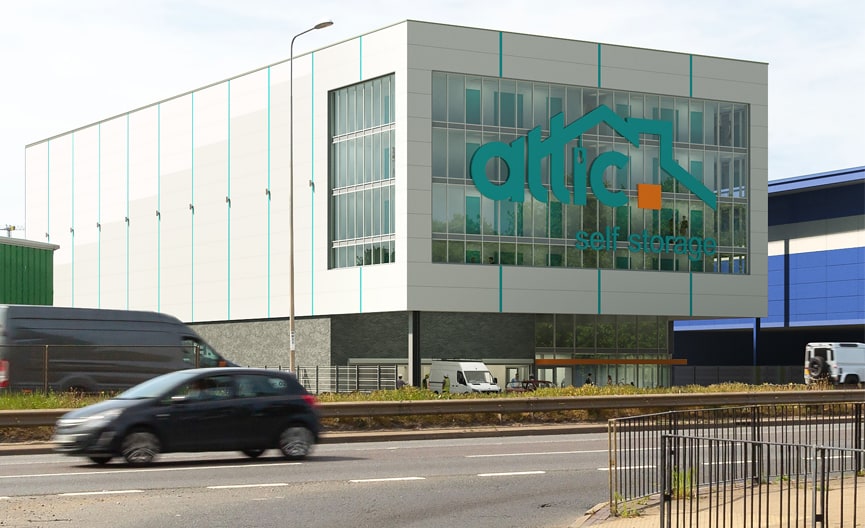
(647, 514)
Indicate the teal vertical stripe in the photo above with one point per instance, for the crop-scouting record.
(312, 189)
(228, 191)
(501, 284)
(192, 209)
(691, 293)
(690, 76)
(127, 211)
(599, 291)
(360, 289)
(360, 57)
(501, 53)
(268, 192)
(99, 215)
(72, 221)
(599, 64)
(159, 208)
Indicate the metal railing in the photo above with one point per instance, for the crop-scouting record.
(97, 368)
(635, 442)
(351, 378)
(717, 482)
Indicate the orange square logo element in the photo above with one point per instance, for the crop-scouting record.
(648, 196)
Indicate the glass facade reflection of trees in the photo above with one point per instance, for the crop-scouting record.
(710, 142)
(361, 173)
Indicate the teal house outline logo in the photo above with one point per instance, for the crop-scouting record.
(523, 157)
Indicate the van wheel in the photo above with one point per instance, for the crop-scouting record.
(253, 453)
(852, 379)
(295, 442)
(100, 459)
(140, 448)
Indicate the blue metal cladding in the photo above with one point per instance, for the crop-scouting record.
(827, 286)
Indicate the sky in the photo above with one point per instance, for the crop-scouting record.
(66, 64)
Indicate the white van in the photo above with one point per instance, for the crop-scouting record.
(835, 363)
(464, 375)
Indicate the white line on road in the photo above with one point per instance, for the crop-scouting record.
(541, 453)
(275, 484)
(387, 479)
(627, 467)
(511, 474)
(103, 492)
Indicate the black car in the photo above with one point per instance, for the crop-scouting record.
(211, 409)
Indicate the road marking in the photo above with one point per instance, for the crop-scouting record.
(235, 486)
(511, 474)
(103, 492)
(151, 470)
(387, 479)
(627, 467)
(541, 453)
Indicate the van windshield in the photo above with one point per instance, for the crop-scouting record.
(479, 376)
(156, 387)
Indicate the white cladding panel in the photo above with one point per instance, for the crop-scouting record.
(85, 216)
(210, 269)
(112, 213)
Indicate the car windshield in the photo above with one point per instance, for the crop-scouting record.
(155, 387)
(478, 376)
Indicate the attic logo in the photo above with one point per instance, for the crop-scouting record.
(525, 163)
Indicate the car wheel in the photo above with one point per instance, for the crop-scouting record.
(295, 442)
(140, 448)
(253, 453)
(100, 459)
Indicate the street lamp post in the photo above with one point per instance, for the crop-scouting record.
(291, 354)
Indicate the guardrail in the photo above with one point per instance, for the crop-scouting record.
(47, 417)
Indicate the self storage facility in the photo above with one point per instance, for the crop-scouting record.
(537, 203)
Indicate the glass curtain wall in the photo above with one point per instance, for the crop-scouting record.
(709, 141)
(361, 174)
(613, 349)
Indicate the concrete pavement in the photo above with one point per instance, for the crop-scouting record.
(846, 499)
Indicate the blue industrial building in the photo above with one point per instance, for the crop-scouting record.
(816, 281)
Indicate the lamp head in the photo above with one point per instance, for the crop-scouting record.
(323, 24)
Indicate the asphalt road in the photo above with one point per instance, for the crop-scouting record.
(519, 481)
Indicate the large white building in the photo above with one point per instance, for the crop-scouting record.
(546, 205)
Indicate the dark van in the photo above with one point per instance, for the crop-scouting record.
(92, 350)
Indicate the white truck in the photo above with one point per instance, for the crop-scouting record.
(835, 363)
(463, 375)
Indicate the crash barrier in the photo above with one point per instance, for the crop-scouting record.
(635, 444)
(737, 482)
(509, 405)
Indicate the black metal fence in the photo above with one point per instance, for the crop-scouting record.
(635, 443)
(715, 482)
(752, 375)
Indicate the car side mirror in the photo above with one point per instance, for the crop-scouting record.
(495, 381)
